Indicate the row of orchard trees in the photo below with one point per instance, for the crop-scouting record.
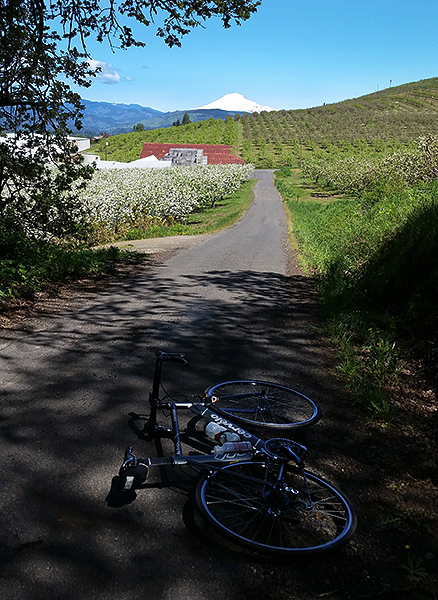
(122, 198)
(354, 174)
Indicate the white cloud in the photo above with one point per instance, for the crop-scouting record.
(108, 74)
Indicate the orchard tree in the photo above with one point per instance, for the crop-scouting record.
(43, 51)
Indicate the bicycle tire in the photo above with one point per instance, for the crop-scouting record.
(263, 405)
(240, 504)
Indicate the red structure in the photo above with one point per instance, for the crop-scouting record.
(217, 154)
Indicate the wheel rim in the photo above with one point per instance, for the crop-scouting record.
(245, 505)
(263, 404)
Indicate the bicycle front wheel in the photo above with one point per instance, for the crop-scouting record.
(291, 512)
(263, 405)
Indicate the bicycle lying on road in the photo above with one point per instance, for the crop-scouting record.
(256, 493)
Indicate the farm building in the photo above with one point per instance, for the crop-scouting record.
(212, 154)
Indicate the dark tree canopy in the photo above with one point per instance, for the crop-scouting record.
(108, 20)
(43, 50)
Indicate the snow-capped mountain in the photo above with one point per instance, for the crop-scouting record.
(235, 102)
(107, 117)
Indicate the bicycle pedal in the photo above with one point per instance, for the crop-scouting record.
(132, 477)
(128, 483)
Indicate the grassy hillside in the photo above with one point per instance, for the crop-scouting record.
(374, 257)
(381, 121)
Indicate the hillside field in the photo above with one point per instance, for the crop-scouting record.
(381, 122)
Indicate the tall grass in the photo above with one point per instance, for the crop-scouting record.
(375, 264)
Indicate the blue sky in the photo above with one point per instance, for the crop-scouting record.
(290, 54)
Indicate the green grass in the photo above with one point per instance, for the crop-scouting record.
(376, 270)
(292, 186)
(305, 202)
(224, 213)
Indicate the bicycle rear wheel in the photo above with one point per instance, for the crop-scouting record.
(298, 514)
(263, 405)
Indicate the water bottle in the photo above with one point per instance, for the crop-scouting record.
(235, 448)
(228, 436)
(213, 431)
(220, 434)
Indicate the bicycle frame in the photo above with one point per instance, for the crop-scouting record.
(256, 493)
(201, 461)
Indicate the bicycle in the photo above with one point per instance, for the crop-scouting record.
(255, 493)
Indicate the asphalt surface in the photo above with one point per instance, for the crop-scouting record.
(74, 387)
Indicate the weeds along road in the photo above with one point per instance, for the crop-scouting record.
(72, 382)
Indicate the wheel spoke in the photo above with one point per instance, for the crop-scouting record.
(263, 404)
(248, 504)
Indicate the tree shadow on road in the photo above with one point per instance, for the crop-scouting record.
(71, 382)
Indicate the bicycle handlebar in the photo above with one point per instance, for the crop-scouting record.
(160, 358)
(172, 356)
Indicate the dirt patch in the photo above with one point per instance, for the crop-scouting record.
(391, 472)
(159, 246)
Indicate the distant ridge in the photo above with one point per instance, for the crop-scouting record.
(113, 119)
(401, 112)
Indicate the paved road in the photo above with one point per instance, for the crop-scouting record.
(73, 382)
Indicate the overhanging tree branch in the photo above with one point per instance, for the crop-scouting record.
(43, 50)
